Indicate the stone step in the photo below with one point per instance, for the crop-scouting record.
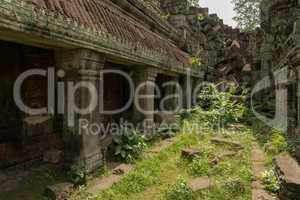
(107, 182)
(190, 153)
(258, 160)
(123, 169)
(221, 141)
(103, 184)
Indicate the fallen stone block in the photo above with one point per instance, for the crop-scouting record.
(201, 183)
(222, 156)
(228, 154)
(123, 169)
(288, 171)
(221, 141)
(190, 153)
(104, 183)
(259, 194)
(59, 191)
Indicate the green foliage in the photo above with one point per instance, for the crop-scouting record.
(77, 175)
(235, 186)
(271, 181)
(179, 191)
(201, 165)
(130, 144)
(277, 142)
(247, 13)
(219, 107)
(195, 61)
(165, 17)
(200, 17)
(194, 2)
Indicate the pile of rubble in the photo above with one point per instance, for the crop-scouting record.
(226, 54)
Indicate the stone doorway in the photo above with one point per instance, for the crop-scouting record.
(166, 106)
(24, 138)
(116, 95)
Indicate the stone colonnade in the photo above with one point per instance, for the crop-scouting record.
(84, 66)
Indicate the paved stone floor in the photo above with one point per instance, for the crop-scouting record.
(258, 159)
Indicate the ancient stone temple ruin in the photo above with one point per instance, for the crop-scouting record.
(63, 41)
(79, 39)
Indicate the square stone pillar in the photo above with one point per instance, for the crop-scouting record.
(144, 80)
(80, 82)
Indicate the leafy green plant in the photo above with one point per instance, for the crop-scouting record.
(200, 17)
(220, 107)
(195, 61)
(130, 144)
(235, 186)
(77, 175)
(199, 167)
(277, 142)
(271, 181)
(179, 191)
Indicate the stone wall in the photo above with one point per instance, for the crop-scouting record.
(226, 53)
(280, 65)
(279, 52)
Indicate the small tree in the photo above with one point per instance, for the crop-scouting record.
(194, 2)
(247, 14)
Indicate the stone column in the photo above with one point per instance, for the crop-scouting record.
(83, 146)
(144, 80)
(187, 90)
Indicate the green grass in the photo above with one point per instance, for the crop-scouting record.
(163, 175)
(158, 176)
(272, 141)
